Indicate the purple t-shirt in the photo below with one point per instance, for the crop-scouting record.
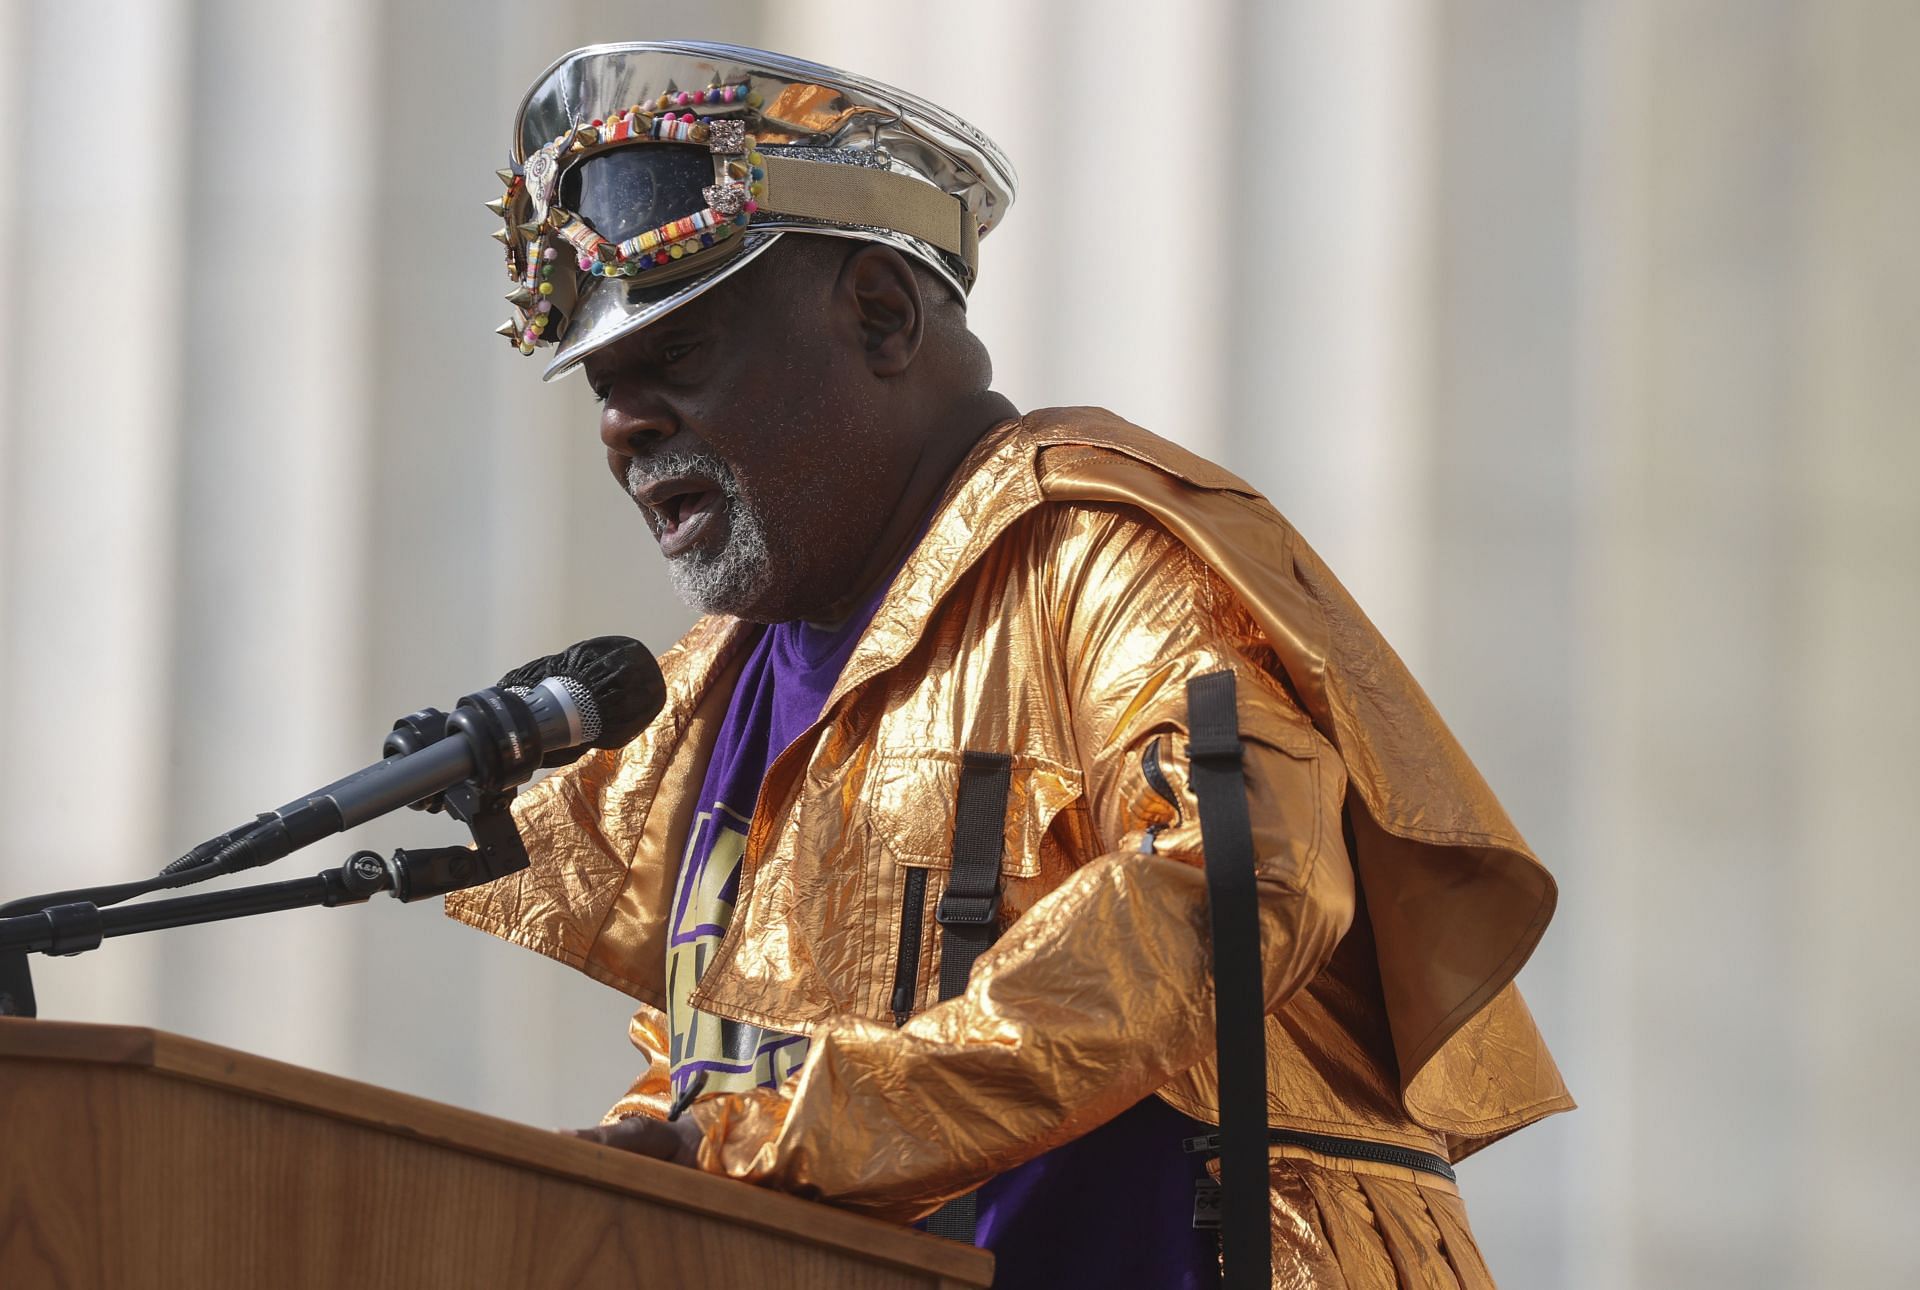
(1112, 1208)
(782, 687)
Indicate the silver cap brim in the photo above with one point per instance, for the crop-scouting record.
(611, 308)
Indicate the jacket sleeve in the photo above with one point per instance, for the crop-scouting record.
(1101, 991)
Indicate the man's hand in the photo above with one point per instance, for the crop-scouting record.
(676, 1142)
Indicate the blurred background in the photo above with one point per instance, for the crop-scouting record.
(1578, 337)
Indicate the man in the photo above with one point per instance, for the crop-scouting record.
(938, 630)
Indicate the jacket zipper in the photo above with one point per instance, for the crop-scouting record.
(1156, 776)
(1326, 1144)
(906, 976)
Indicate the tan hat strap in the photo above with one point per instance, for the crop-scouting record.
(852, 194)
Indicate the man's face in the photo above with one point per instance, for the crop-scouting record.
(744, 425)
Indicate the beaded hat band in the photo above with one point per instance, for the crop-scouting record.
(623, 213)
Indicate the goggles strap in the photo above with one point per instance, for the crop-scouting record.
(843, 194)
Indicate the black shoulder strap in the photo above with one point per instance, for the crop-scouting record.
(968, 910)
(967, 915)
(1226, 832)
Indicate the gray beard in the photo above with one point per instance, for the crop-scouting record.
(733, 578)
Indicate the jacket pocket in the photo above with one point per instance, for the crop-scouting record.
(908, 804)
(906, 811)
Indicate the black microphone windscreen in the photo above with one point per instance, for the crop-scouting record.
(617, 673)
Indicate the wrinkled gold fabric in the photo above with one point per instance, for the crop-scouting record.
(1336, 1228)
(1081, 569)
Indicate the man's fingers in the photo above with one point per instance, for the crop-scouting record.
(637, 1134)
(645, 1137)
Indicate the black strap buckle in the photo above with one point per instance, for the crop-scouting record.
(1213, 733)
(1206, 1205)
(958, 908)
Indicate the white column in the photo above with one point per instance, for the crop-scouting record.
(1856, 455)
(1602, 883)
(92, 426)
(1691, 902)
(287, 295)
(14, 84)
(1324, 235)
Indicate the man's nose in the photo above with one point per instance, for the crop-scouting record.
(631, 423)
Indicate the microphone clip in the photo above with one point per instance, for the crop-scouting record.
(497, 849)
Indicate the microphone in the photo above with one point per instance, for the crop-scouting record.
(600, 693)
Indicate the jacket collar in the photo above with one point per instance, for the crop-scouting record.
(995, 485)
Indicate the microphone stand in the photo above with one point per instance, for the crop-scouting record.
(68, 923)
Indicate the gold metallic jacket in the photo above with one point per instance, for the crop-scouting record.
(1078, 571)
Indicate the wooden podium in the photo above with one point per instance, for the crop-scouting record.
(135, 1158)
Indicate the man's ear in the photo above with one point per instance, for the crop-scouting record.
(885, 295)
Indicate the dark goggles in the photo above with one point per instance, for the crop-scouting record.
(624, 192)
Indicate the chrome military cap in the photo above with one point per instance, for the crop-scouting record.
(642, 174)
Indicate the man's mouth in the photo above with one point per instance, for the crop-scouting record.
(680, 509)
